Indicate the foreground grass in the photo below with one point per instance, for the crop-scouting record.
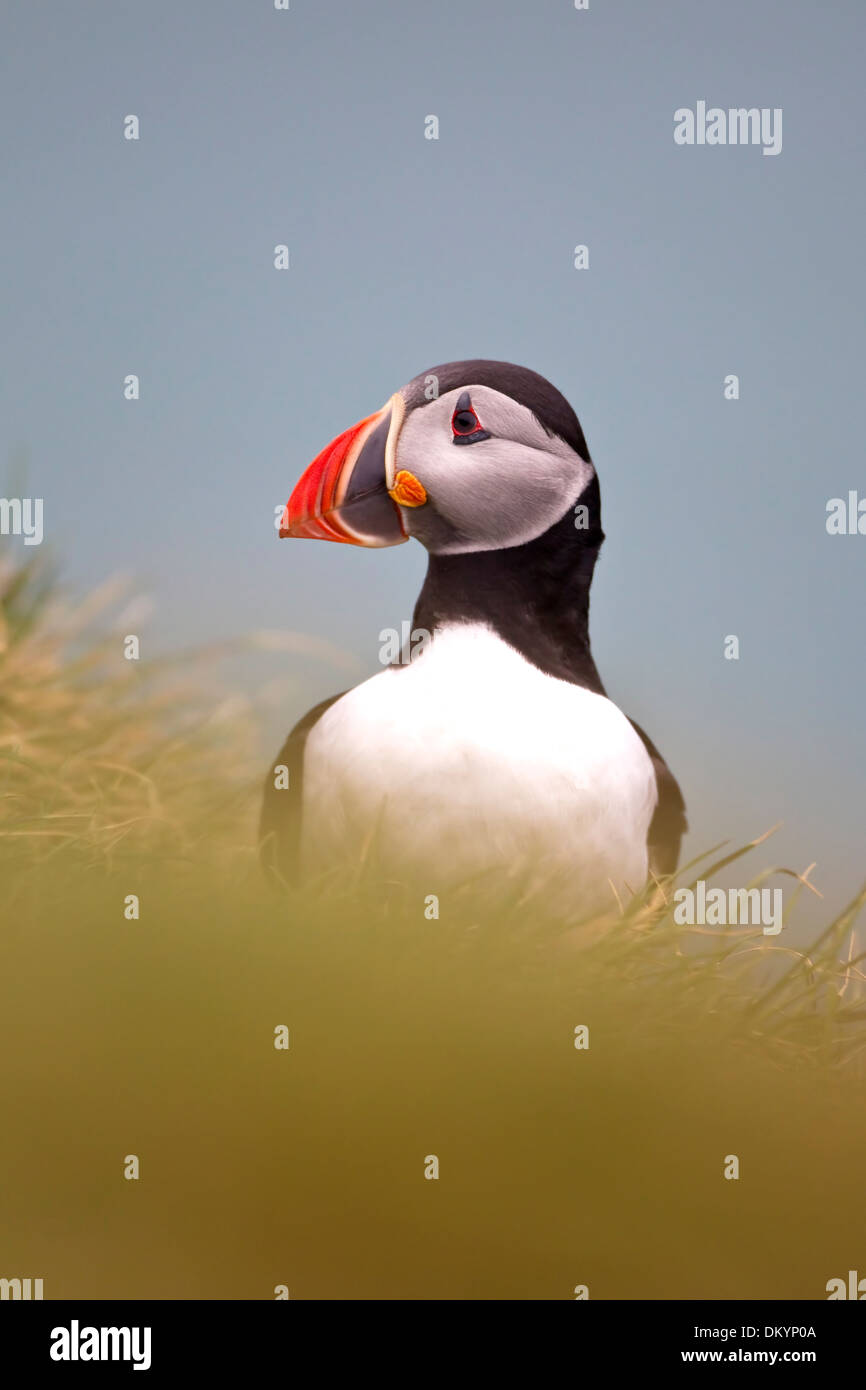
(103, 757)
(408, 1037)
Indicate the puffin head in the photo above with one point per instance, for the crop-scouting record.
(469, 456)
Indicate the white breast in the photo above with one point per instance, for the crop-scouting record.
(472, 760)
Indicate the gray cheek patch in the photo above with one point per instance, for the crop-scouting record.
(498, 493)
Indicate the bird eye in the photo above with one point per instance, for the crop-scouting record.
(465, 425)
(465, 421)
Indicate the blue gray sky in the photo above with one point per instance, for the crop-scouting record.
(306, 127)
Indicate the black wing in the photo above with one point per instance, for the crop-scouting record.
(669, 823)
(280, 819)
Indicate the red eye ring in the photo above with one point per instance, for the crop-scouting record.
(465, 422)
(466, 428)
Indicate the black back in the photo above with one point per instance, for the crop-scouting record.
(280, 817)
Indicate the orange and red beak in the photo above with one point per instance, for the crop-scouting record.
(344, 495)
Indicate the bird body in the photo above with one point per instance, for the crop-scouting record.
(469, 760)
(494, 753)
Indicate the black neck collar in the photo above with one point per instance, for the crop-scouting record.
(535, 596)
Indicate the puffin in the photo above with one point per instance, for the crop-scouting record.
(489, 753)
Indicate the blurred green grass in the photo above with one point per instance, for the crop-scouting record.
(409, 1037)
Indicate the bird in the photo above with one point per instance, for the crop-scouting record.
(494, 751)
